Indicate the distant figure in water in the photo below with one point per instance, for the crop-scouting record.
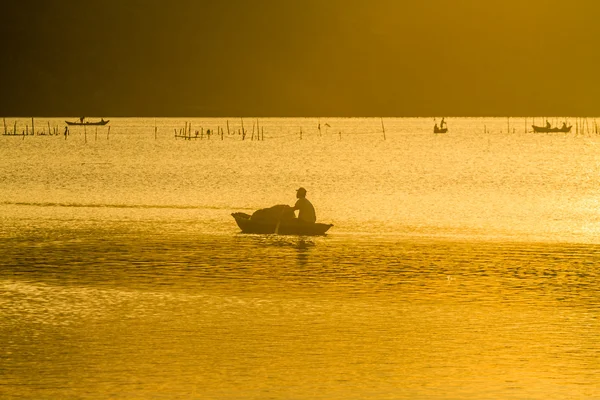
(306, 211)
(548, 124)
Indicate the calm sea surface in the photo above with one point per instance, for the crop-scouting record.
(460, 266)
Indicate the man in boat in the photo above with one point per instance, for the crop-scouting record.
(306, 211)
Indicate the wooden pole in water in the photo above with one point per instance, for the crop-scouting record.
(587, 126)
(155, 129)
(15, 128)
(252, 137)
(228, 128)
(96, 135)
(4, 120)
(48, 127)
(300, 133)
(257, 130)
(525, 125)
(243, 131)
(107, 133)
(85, 133)
(32, 126)
(262, 132)
(382, 128)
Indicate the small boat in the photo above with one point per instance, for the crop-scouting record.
(547, 128)
(443, 128)
(82, 121)
(284, 227)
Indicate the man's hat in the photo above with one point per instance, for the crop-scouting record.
(301, 190)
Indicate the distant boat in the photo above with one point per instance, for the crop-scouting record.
(82, 121)
(547, 128)
(442, 128)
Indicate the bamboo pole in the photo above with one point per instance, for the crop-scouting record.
(4, 121)
(96, 135)
(15, 128)
(32, 126)
(252, 137)
(587, 126)
(107, 133)
(85, 133)
(382, 128)
(155, 129)
(257, 130)
(228, 128)
(49, 132)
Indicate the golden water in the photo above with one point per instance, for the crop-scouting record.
(460, 266)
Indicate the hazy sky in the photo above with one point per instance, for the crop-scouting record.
(300, 58)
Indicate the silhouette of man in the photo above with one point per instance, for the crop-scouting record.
(306, 211)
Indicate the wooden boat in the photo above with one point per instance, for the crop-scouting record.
(443, 128)
(293, 227)
(564, 129)
(83, 122)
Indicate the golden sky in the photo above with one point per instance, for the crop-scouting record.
(300, 58)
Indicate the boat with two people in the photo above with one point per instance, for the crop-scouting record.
(443, 128)
(548, 128)
(82, 121)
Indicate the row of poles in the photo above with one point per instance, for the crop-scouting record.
(582, 125)
(52, 131)
(186, 132)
